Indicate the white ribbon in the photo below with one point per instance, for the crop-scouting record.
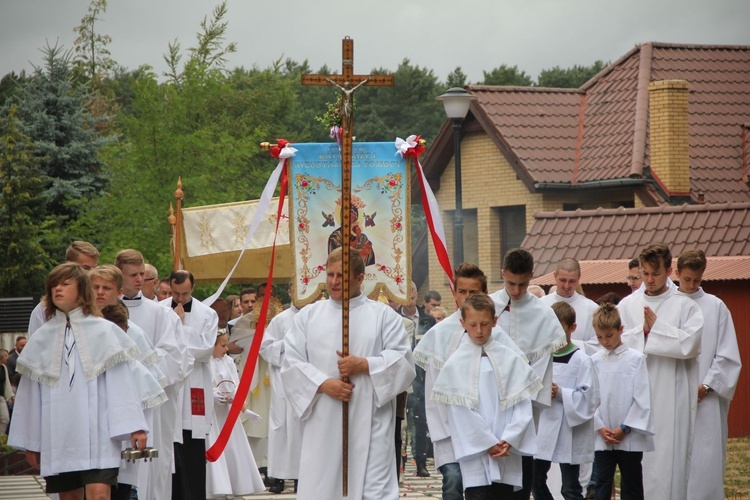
(402, 146)
(263, 202)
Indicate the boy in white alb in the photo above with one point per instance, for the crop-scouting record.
(667, 328)
(565, 433)
(489, 410)
(719, 369)
(624, 422)
(78, 398)
(533, 327)
(431, 353)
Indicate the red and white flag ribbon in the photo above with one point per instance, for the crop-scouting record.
(413, 149)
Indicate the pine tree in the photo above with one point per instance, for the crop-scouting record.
(53, 114)
(23, 260)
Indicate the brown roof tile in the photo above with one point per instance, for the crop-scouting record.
(601, 234)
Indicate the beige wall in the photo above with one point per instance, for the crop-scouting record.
(489, 183)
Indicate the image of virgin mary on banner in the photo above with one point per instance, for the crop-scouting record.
(380, 209)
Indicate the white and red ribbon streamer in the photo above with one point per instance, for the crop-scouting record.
(283, 152)
(412, 148)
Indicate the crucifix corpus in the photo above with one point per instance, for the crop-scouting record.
(347, 82)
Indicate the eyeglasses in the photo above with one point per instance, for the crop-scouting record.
(150, 279)
(632, 278)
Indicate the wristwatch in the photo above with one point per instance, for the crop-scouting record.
(625, 429)
(708, 389)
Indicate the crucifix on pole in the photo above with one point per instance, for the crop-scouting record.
(347, 82)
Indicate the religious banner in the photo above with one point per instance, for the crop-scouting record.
(380, 217)
(213, 237)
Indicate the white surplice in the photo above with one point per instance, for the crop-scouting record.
(151, 392)
(566, 429)
(535, 329)
(163, 330)
(284, 428)
(431, 353)
(475, 431)
(671, 351)
(719, 368)
(77, 413)
(625, 394)
(235, 471)
(376, 333)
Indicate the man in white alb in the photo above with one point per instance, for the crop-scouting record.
(379, 367)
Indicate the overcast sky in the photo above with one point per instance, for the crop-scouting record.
(476, 35)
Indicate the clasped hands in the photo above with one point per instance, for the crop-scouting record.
(501, 449)
(612, 436)
(348, 366)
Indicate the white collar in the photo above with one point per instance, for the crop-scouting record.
(100, 345)
(515, 379)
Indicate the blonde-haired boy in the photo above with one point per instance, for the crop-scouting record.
(624, 422)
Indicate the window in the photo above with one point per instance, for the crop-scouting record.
(512, 227)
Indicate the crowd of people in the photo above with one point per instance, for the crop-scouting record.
(496, 392)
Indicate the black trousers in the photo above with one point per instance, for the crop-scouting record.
(399, 443)
(417, 416)
(189, 479)
(528, 477)
(495, 491)
(631, 473)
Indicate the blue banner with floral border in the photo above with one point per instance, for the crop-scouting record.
(380, 217)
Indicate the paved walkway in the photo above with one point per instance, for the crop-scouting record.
(412, 487)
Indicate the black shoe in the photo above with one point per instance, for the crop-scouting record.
(277, 486)
(422, 471)
(590, 492)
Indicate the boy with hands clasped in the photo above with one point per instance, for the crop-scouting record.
(490, 409)
(624, 422)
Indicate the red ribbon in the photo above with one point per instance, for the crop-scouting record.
(213, 453)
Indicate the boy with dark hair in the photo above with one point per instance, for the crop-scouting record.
(533, 327)
(667, 327)
(565, 433)
(719, 368)
(623, 421)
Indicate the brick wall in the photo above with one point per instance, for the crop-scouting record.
(489, 182)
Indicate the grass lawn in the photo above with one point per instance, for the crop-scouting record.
(737, 472)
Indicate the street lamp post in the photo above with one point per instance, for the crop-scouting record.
(456, 102)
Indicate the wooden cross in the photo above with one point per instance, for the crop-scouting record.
(347, 82)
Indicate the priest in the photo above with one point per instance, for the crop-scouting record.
(379, 367)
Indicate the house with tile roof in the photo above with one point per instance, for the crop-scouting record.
(604, 241)
(656, 147)
(664, 126)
